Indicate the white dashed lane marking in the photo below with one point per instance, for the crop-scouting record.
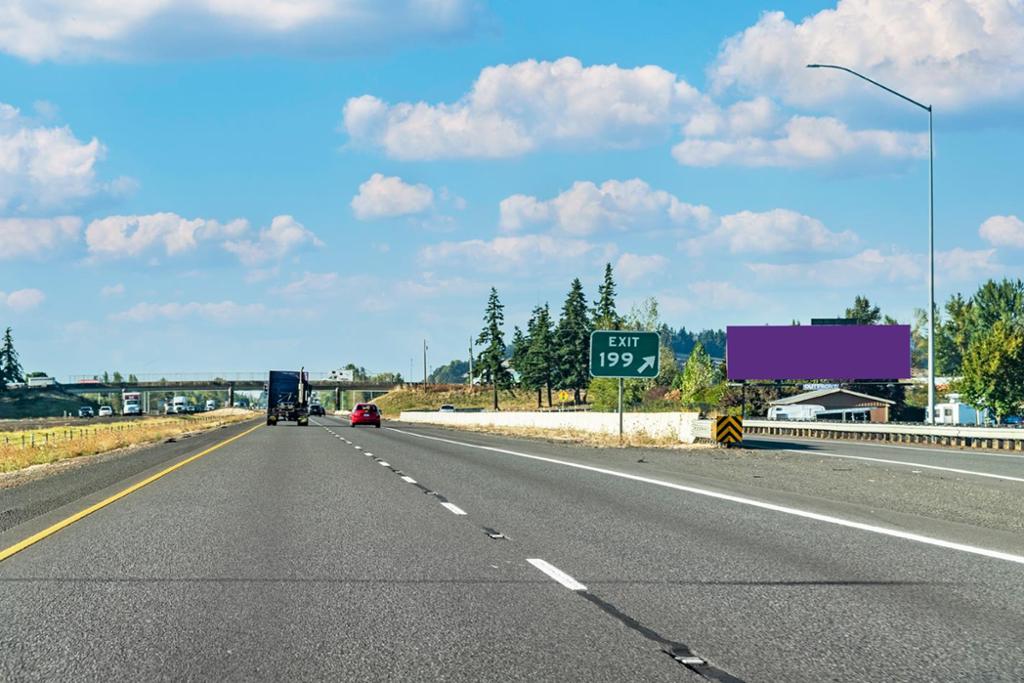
(557, 574)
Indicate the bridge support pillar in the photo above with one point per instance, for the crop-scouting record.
(337, 398)
(231, 395)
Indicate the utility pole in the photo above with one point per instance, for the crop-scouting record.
(471, 362)
(424, 363)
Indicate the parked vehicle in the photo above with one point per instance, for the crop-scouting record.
(288, 397)
(86, 411)
(106, 411)
(131, 403)
(795, 412)
(954, 412)
(41, 382)
(365, 414)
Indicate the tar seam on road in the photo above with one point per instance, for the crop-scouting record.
(796, 512)
(907, 464)
(678, 651)
(68, 521)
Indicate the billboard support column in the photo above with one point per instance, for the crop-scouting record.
(743, 410)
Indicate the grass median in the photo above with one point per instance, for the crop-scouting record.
(21, 449)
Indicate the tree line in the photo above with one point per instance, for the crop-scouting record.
(554, 355)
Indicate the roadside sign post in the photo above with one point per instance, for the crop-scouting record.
(624, 354)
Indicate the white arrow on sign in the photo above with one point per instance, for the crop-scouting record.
(648, 363)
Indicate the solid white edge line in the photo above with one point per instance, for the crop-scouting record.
(557, 574)
(907, 464)
(453, 508)
(829, 519)
(408, 479)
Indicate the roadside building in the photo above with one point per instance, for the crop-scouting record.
(841, 405)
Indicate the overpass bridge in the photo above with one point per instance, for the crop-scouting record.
(228, 383)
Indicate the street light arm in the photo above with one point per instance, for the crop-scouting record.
(863, 77)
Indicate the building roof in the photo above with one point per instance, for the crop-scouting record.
(811, 395)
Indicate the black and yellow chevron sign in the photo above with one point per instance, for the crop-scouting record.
(729, 429)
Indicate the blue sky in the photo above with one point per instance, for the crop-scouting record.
(227, 186)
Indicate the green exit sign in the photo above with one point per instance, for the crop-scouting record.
(625, 354)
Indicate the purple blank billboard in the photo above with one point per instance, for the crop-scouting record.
(769, 352)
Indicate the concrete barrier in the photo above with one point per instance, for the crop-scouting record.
(1000, 438)
(681, 426)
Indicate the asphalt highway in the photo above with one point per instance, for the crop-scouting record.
(415, 553)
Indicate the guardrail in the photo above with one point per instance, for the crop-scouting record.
(999, 438)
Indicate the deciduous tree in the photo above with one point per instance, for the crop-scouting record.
(993, 370)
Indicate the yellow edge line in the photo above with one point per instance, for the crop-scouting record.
(68, 521)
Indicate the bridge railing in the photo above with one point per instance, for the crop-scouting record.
(154, 377)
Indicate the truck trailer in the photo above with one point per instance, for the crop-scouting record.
(288, 397)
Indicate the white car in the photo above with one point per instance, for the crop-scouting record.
(106, 411)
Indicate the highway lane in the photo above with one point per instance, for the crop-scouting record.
(766, 596)
(288, 555)
(341, 553)
(994, 464)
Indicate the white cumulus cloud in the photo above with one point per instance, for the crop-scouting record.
(310, 282)
(22, 237)
(516, 108)
(775, 231)
(124, 236)
(517, 252)
(950, 53)
(42, 168)
(1003, 231)
(21, 300)
(878, 266)
(801, 141)
(586, 208)
(75, 29)
(113, 290)
(219, 312)
(284, 236)
(389, 197)
(631, 268)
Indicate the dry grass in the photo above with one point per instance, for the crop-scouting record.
(20, 449)
(435, 396)
(583, 438)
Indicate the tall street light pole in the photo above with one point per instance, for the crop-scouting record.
(931, 230)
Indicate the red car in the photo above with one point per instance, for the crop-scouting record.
(364, 414)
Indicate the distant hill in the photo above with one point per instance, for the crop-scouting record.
(40, 402)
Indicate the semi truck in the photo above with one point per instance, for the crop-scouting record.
(288, 397)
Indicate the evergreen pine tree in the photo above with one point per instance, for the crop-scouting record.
(10, 365)
(573, 342)
(605, 315)
(491, 361)
(539, 364)
(520, 346)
